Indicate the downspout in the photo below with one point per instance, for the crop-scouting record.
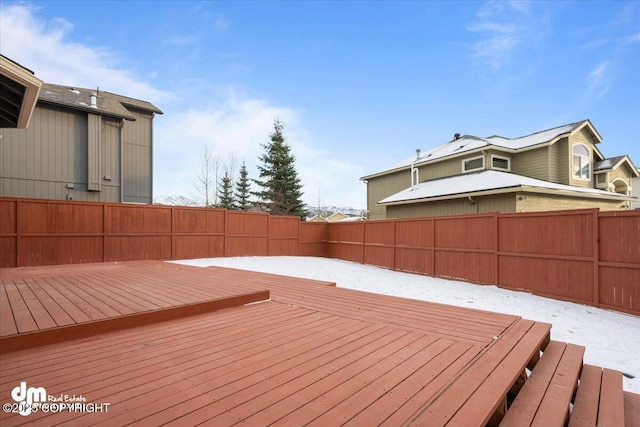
(473, 202)
(121, 161)
(151, 161)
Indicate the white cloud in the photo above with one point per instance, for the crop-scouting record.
(45, 47)
(634, 38)
(503, 28)
(599, 81)
(220, 24)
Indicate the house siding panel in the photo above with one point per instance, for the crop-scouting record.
(41, 160)
(484, 204)
(559, 168)
(137, 159)
(384, 186)
(532, 163)
(442, 169)
(544, 202)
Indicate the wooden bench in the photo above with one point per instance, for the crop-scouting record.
(600, 399)
(547, 394)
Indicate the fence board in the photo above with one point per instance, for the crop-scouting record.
(550, 233)
(189, 247)
(313, 239)
(468, 266)
(131, 247)
(54, 217)
(465, 232)
(620, 289)
(137, 219)
(564, 279)
(414, 260)
(619, 235)
(198, 220)
(416, 232)
(51, 250)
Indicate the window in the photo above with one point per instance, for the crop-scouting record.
(501, 163)
(581, 162)
(473, 164)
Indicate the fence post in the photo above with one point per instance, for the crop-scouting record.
(171, 240)
(496, 256)
(596, 257)
(104, 232)
(433, 246)
(19, 261)
(395, 222)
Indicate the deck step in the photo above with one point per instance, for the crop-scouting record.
(631, 409)
(600, 399)
(479, 396)
(545, 399)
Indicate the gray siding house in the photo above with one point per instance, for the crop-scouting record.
(81, 144)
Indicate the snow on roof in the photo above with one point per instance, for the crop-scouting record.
(482, 181)
(607, 163)
(470, 143)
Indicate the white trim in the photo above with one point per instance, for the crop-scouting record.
(508, 159)
(464, 161)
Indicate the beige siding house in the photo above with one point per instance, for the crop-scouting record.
(81, 144)
(559, 168)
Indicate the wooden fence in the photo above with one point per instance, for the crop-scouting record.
(46, 232)
(583, 256)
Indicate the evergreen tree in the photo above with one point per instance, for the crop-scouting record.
(225, 193)
(281, 192)
(243, 190)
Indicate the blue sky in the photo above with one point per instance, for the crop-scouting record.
(359, 85)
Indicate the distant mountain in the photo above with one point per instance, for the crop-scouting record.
(330, 210)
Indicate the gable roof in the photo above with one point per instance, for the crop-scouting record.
(108, 104)
(469, 143)
(614, 162)
(489, 182)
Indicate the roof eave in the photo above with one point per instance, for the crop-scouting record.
(32, 84)
(454, 196)
(88, 110)
(513, 189)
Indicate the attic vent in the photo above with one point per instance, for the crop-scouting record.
(456, 136)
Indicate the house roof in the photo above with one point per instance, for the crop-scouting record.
(469, 143)
(489, 182)
(107, 103)
(18, 95)
(614, 162)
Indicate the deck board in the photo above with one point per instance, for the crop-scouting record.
(312, 354)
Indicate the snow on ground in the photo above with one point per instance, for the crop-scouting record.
(612, 339)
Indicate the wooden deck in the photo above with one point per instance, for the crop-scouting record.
(163, 343)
